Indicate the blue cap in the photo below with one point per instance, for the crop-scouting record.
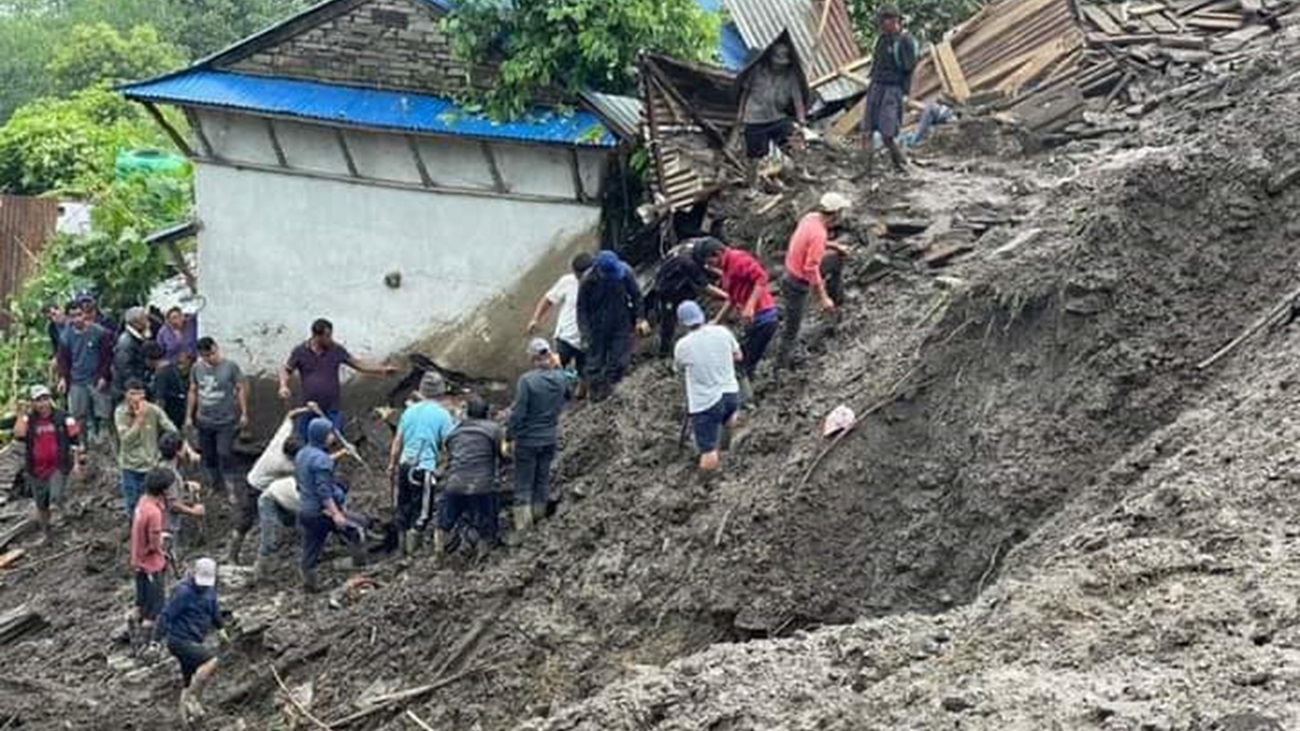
(690, 314)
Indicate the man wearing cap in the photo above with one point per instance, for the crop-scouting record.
(192, 613)
(707, 357)
(53, 452)
(139, 426)
(564, 294)
(808, 266)
(744, 282)
(85, 367)
(891, 79)
(129, 362)
(609, 315)
(534, 429)
(413, 459)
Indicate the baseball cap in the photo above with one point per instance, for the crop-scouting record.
(39, 392)
(538, 346)
(205, 572)
(834, 202)
(432, 384)
(690, 314)
(888, 11)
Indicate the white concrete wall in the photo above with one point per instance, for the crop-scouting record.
(276, 251)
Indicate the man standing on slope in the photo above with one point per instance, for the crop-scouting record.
(85, 365)
(534, 429)
(191, 614)
(891, 79)
(609, 315)
(317, 362)
(129, 361)
(218, 407)
(810, 269)
(564, 294)
(140, 424)
(413, 459)
(707, 357)
(53, 452)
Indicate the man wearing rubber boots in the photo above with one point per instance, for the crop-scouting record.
(534, 428)
(413, 459)
(891, 80)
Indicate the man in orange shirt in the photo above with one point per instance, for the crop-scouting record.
(806, 261)
(148, 556)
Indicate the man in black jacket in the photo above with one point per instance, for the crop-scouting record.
(609, 313)
(892, 64)
(535, 431)
(129, 361)
(681, 276)
(470, 488)
(53, 453)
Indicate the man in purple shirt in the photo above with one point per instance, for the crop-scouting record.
(317, 362)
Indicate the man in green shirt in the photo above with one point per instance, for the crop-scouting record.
(139, 426)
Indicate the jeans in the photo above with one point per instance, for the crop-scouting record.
(533, 474)
(668, 323)
(131, 482)
(479, 511)
(270, 517)
(708, 424)
(608, 355)
(415, 497)
(316, 529)
(300, 427)
(756, 339)
(90, 406)
(216, 445)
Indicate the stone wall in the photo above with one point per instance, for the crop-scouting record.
(387, 44)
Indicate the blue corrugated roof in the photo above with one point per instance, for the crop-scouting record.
(735, 54)
(366, 108)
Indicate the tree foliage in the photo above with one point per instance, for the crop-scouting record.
(928, 20)
(98, 56)
(547, 46)
(69, 145)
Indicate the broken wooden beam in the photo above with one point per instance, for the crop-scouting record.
(20, 622)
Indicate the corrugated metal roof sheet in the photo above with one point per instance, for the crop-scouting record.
(366, 108)
(621, 113)
(761, 21)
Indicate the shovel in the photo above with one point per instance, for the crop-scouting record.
(348, 447)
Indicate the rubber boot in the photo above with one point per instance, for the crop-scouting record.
(236, 542)
(259, 571)
(523, 516)
(746, 390)
(896, 156)
(539, 512)
(310, 580)
(439, 546)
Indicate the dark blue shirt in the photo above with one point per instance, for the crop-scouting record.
(191, 613)
(314, 471)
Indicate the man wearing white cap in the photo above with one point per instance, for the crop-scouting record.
(413, 459)
(707, 357)
(808, 266)
(191, 614)
(534, 428)
(53, 452)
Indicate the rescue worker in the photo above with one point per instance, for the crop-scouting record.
(609, 314)
(893, 62)
(811, 269)
(707, 358)
(148, 553)
(319, 514)
(564, 295)
(534, 431)
(217, 406)
(475, 449)
(413, 460)
(192, 613)
(774, 103)
(52, 444)
(85, 367)
(275, 463)
(745, 290)
(317, 362)
(680, 277)
(129, 361)
(140, 424)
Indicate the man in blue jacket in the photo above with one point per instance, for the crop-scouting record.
(609, 314)
(319, 514)
(191, 614)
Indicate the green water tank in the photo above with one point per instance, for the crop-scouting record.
(147, 161)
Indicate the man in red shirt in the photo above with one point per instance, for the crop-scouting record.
(148, 555)
(53, 454)
(744, 280)
(807, 268)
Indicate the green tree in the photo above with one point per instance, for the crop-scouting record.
(928, 20)
(98, 56)
(566, 45)
(69, 145)
(205, 26)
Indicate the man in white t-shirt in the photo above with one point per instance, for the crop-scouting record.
(707, 357)
(564, 294)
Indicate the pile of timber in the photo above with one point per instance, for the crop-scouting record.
(18, 623)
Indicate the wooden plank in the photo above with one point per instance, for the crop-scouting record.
(498, 180)
(347, 153)
(423, 170)
(1214, 23)
(937, 256)
(9, 558)
(197, 126)
(1046, 56)
(575, 168)
(171, 131)
(275, 143)
(1102, 20)
(1144, 9)
(1160, 24)
(950, 69)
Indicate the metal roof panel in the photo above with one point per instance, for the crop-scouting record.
(759, 22)
(373, 108)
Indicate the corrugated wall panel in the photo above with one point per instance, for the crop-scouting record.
(25, 224)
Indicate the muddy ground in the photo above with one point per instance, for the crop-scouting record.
(1049, 517)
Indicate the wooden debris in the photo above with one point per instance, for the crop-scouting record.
(16, 531)
(937, 256)
(20, 622)
(293, 699)
(411, 714)
(1279, 310)
(9, 558)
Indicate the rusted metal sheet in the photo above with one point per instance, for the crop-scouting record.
(824, 48)
(25, 225)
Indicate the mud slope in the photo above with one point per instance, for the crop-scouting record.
(1158, 589)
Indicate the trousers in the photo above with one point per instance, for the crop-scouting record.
(533, 474)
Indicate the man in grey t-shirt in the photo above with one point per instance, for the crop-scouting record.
(218, 408)
(708, 356)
